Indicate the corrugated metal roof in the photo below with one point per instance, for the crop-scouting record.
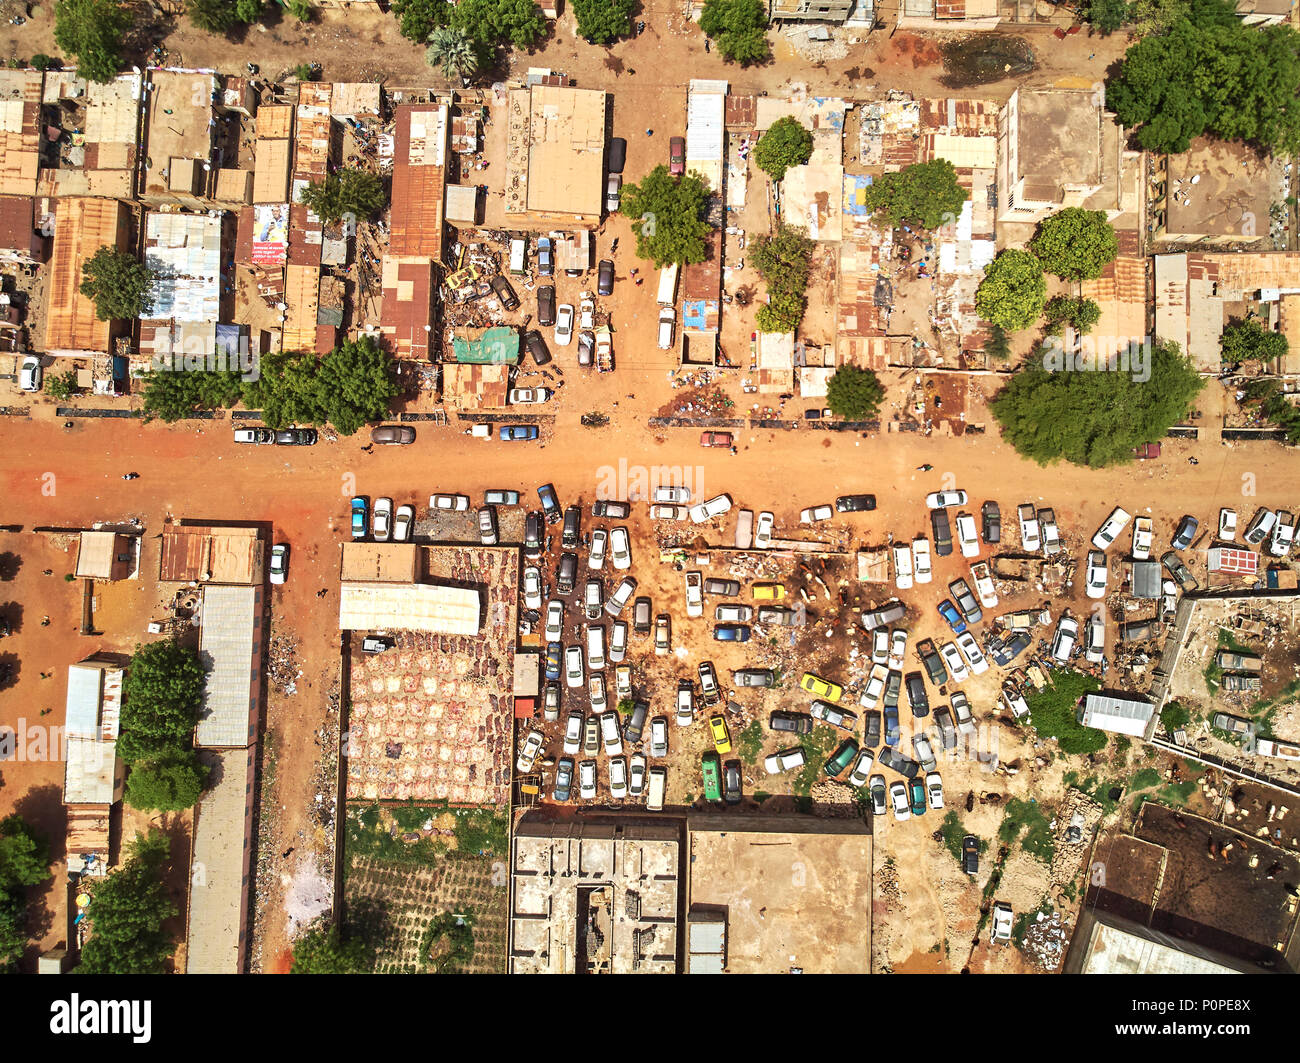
(419, 174)
(429, 607)
(1107, 712)
(202, 554)
(230, 642)
(379, 563)
(82, 720)
(406, 310)
(82, 227)
(184, 252)
(92, 772)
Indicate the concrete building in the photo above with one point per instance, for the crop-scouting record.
(834, 11)
(1218, 192)
(1264, 12)
(20, 143)
(98, 149)
(1105, 943)
(179, 136)
(555, 167)
(107, 555)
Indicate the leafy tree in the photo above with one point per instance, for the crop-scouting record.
(1175, 715)
(127, 912)
(300, 9)
(171, 394)
(1274, 406)
(117, 284)
(1249, 340)
(215, 16)
(1106, 16)
(41, 61)
(1081, 314)
(250, 10)
(161, 699)
(998, 346)
(323, 949)
(784, 261)
(417, 19)
(739, 28)
(782, 313)
(785, 144)
(62, 386)
(13, 930)
(925, 195)
(1013, 290)
(854, 393)
(454, 50)
(24, 855)
(170, 783)
(490, 23)
(347, 388)
(359, 193)
(1089, 416)
(92, 31)
(604, 21)
(671, 212)
(1075, 244)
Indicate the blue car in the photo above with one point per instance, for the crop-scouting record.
(731, 633)
(552, 660)
(518, 431)
(358, 518)
(949, 612)
(891, 726)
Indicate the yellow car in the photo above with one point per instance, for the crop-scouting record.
(721, 736)
(769, 592)
(823, 688)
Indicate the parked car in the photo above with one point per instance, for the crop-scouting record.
(546, 256)
(917, 791)
(916, 696)
(820, 687)
(613, 186)
(500, 497)
(258, 436)
(1097, 572)
(942, 532)
(875, 687)
(897, 647)
(1027, 516)
(714, 507)
(862, 768)
(1175, 567)
(834, 715)
(971, 651)
(1110, 528)
(732, 793)
(618, 641)
(879, 795)
(665, 512)
(641, 612)
(721, 735)
(768, 592)
(611, 509)
(1003, 920)
(501, 287)
(709, 683)
(933, 662)
(842, 757)
(716, 439)
(359, 515)
(711, 772)
(1185, 533)
(949, 612)
(855, 503)
(296, 437)
(984, 586)
(667, 327)
(942, 499)
(1228, 524)
(902, 558)
(669, 493)
(536, 346)
(605, 277)
(785, 760)
(532, 745)
(676, 156)
(1051, 534)
(965, 600)
(1260, 527)
(1279, 544)
(635, 726)
(617, 601)
(1067, 633)
(563, 789)
(970, 855)
(898, 800)
(1094, 642)
(564, 325)
(896, 761)
(731, 633)
(617, 155)
(30, 374)
(587, 780)
(487, 526)
(956, 663)
(922, 568)
(511, 432)
(279, 570)
(574, 674)
(1143, 536)
(618, 778)
(659, 736)
(571, 533)
(753, 677)
(381, 520)
(726, 588)
(966, 535)
(991, 520)
(793, 722)
(685, 703)
(816, 514)
(528, 396)
(886, 614)
(763, 530)
(546, 304)
(663, 635)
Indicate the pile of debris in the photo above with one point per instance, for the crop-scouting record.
(1044, 942)
(1075, 824)
(283, 670)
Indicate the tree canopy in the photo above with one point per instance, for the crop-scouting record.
(1013, 290)
(491, 23)
(215, 16)
(92, 32)
(323, 949)
(739, 28)
(168, 783)
(1080, 314)
(161, 698)
(785, 144)
(604, 21)
(1075, 244)
(454, 51)
(127, 912)
(925, 195)
(417, 19)
(170, 394)
(671, 212)
(349, 387)
(117, 284)
(854, 393)
(24, 854)
(348, 193)
(1106, 16)
(783, 260)
(1094, 416)
(1248, 340)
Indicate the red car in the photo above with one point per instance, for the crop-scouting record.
(677, 156)
(715, 439)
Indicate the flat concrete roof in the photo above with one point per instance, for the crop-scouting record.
(566, 150)
(1218, 188)
(380, 562)
(441, 610)
(1059, 140)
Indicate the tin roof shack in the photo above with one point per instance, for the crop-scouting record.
(273, 154)
(93, 773)
(108, 555)
(462, 204)
(81, 227)
(422, 135)
(702, 305)
(97, 153)
(179, 138)
(21, 243)
(200, 553)
(1218, 192)
(1144, 579)
(359, 100)
(184, 253)
(1118, 714)
(474, 387)
(555, 166)
(1264, 12)
(833, 11)
(302, 307)
(313, 142)
(406, 315)
(20, 142)
(1233, 562)
(231, 634)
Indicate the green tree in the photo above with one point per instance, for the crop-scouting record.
(454, 50)
(782, 313)
(215, 16)
(358, 193)
(924, 195)
(127, 912)
(13, 930)
(1248, 340)
(1012, 292)
(173, 393)
(1088, 416)
(250, 10)
(784, 261)
(998, 346)
(671, 212)
(1075, 244)
(41, 61)
(24, 854)
(117, 284)
(785, 144)
(417, 19)
(854, 393)
(347, 388)
(161, 699)
(1081, 314)
(170, 783)
(739, 28)
(62, 386)
(1106, 16)
(604, 21)
(92, 32)
(300, 9)
(323, 949)
(492, 23)
(1174, 716)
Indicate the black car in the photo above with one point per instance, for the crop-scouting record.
(965, 600)
(605, 277)
(534, 533)
(501, 286)
(992, 518)
(893, 684)
(617, 154)
(563, 779)
(536, 346)
(636, 722)
(970, 855)
(566, 575)
(753, 677)
(1185, 534)
(546, 304)
(612, 510)
(731, 792)
(795, 722)
(641, 612)
(872, 724)
(942, 532)
(855, 503)
(550, 504)
(916, 696)
(905, 766)
(933, 662)
(572, 526)
(1004, 651)
(296, 437)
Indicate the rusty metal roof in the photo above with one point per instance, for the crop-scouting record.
(419, 175)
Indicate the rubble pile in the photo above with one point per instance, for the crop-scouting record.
(1045, 940)
(282, 669)
(1075, 825)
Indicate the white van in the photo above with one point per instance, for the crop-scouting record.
(654, 801)
(667, 328)
(518, 256)
(595, 647)
(668, 285)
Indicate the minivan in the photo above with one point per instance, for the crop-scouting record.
(533, 534)
(595, 647)
(916, 696)
(654, 801)
(667, 328)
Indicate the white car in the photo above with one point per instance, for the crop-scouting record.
(1228, 524)
(596, 692)
(573, 672)
(1067, 633)
(659, 736)
(676, 495)
(862, 768)
(572, 733)
(875, 687)
(403, 521)
(953, 659)
(785, 760)
(618, 641)
(381, 520)
(1260, 527)
(714, 507)
(279, 571)
(620, 549)
(815, 514)
(988, 594)
(1003, 921)
(898, 798)
(528, 396)
(623, 680)
(763, 530)
(967, 535)
(533, 588)
(1143, 536)
(667, 512)
(971, 651)
(685, 704)
(934, 791)
(1283, 534)
(596, 558)
(694, 594)
(587, 780)
(554, 621)
(636, 775)
(1094, 646)
(897, 648)
(564, 324)
(587, 312)
(30, 374)
(902, 566)
(924, 570)
(880, 645)
(730, 613)
(449, 503)
(943, 499)
(617, 601)
(1030, 541)
(593, 598)
(532, 745)
(1095, 578)
(1110, 528)
(609, 734)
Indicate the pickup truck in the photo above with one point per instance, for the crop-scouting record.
(1142, 538)
(1029, 537)
(934, 666)
(745, 529)
(1051, 535)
